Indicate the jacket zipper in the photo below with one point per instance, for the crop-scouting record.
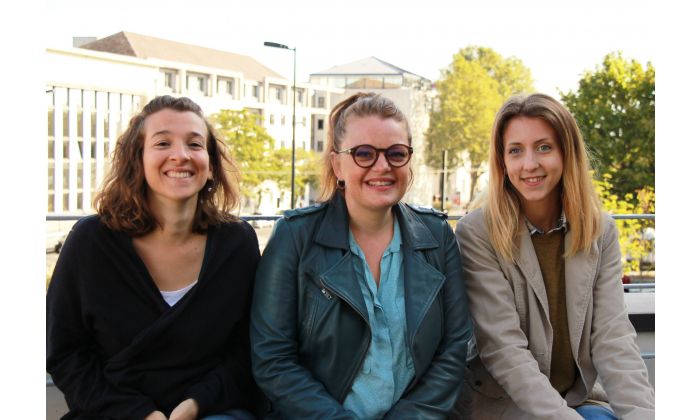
(328, 295)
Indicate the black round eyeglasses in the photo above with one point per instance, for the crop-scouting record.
(366, 155)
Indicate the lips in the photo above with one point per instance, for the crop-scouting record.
(533, 180)
(178, 174)
(380, 183)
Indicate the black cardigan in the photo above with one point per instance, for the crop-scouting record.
(117, 350)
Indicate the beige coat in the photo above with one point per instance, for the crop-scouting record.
(514, 335)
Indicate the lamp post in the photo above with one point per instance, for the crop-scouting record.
(294, 108)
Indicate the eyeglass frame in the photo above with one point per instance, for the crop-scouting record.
(351, 152)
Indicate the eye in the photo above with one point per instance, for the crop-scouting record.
(397, 153)
(513, 150)
(544, 147)
(197, 145)
(161, 143)
(364, 153)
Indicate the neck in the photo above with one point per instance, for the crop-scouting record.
(370, 222)
(175, 220)
(543, 215)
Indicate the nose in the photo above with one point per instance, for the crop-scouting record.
(381, 164)
(530, 162)
(180, 152)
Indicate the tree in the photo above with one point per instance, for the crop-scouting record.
(253, 149)
(470, 92)
(614, 107)
(635, 243)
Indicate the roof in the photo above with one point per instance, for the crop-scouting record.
(142, 46)
(366, 66)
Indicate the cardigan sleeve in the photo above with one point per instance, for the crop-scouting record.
(614, 352)
(503, 346)
(439, 387)
(292, 389)
(74, 366)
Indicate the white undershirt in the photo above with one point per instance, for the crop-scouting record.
(172, 297)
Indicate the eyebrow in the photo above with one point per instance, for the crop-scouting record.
(190, 134)
(520, 142)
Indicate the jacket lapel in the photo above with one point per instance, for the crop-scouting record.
(529, 266)
(341, 278)
(422, 281)
(580, 274)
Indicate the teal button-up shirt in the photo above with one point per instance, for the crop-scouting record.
(387, 369)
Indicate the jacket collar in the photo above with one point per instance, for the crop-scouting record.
(333, 231)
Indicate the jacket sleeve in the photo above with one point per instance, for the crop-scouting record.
(503, 346)
(291, 388)
(614, 352)
(70, 359)
(439, 387)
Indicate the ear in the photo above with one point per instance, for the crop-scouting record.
(210, 174)
(336, 165)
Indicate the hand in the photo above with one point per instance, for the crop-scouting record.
(186, 410)
(156, 415)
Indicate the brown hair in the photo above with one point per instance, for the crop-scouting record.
(122, 202)
(361, 104)
(579, 199)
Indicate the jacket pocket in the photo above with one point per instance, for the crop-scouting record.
(318, 301)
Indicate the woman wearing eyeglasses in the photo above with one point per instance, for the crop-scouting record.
(359, 308)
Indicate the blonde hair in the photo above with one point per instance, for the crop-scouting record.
(581, 204)
(362, 105)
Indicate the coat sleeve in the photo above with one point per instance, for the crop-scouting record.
(440, 386)
(291, 388)
(230, 384)
(503, 346)
(614, 352)
(70, 359)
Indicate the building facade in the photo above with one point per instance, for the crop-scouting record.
(92, 92)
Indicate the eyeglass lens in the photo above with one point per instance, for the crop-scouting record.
(396, 155)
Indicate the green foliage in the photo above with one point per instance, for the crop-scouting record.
(614, 107)
(470, 92)
(254, 151)
(633, 244)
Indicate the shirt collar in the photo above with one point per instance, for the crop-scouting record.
(561, 224)
(394, 245)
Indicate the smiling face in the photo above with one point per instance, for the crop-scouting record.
(175, 158)
(379, 187)
(534, 163)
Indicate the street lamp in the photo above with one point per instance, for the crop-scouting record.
(294, 107)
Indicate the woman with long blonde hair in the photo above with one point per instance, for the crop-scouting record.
(543, 274)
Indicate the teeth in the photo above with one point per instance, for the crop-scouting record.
(536, 179)
(173, 174)
(379, 183)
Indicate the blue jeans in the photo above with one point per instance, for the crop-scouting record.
(595, 412)
(235, 414)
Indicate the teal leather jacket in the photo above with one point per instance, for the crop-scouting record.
(309, 325)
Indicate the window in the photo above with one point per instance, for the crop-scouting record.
(283, 120)
(197, 83)
(319, 124)
(300, 96)
(255, 91)
(303, 121)
(169, 79)
(225, 86)
(272, 119)
(321, 101)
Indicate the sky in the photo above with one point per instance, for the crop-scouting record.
(557, 40)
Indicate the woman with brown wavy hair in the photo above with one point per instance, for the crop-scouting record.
(148, 306)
